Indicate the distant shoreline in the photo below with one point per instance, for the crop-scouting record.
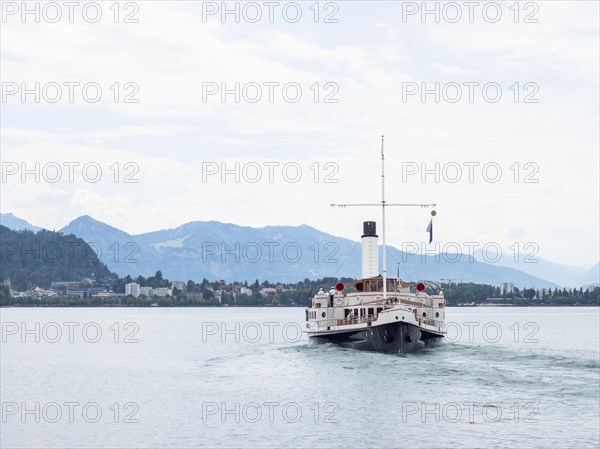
(261, 306)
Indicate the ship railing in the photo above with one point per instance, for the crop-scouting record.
(358, 320)
(439, 325)
(327, 324)
(414, 303)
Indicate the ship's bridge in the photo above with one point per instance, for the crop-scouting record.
(375, 284)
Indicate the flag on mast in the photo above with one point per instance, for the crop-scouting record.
(430, 230)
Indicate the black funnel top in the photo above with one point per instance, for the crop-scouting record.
(369, 229)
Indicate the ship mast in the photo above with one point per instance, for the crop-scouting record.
(383, 221)
(383, 205)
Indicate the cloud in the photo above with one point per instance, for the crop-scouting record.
(452, 69)
(171, 132)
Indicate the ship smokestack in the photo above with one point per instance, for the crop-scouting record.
(370, 256)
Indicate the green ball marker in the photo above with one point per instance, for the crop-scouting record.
(433, 213)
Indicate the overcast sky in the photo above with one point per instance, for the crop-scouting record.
(371, 61)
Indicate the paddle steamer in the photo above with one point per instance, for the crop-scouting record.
(378, 313)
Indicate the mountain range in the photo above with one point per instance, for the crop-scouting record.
(16, 223)
(215, 250)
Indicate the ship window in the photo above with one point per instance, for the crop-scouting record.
(323, 314)
(437, 314)
(375, 286)
(424, 314)
(379, 309)
(355, 312)
(370, 311)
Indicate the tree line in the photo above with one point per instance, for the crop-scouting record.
(215, 293)
(31, 259)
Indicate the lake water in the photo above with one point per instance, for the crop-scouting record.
(245, 377)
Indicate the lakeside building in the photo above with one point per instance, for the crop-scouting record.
(160, 291)
(179, 285)
(133, 289)
(507, 288)
(56, 285)
(82, 292)
(267, 291)
(38, 293)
